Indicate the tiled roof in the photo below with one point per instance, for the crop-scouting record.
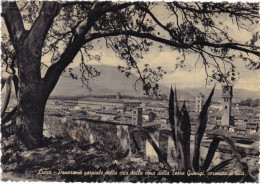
(111, 100)
(113, 112)
(251, 126)
(241, 117)
(153, 123)
(156, 105)
(146, 112)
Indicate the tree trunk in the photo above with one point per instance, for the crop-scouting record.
(30, 116)
(32, 93)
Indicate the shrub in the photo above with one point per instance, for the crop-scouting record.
(181, 131)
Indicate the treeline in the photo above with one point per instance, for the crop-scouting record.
(250, 102)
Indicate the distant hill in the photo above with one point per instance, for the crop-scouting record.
(238, 94)
(111, 81)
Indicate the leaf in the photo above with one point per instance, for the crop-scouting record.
(175, 114)
(15, 81)
(211, 152)
(3, 80)
(200, 132)
(185, 129)
(7, 96)
(9, 116)
(161, 157)
(233, 149)
(220, 165)
(247, 178)
(177, 118)
(171, 115)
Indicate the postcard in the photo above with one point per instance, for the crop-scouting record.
(119, 91)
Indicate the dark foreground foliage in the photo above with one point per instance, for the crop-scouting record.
(69, 155)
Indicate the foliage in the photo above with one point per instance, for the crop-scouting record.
(52, 33)
(8, 83)
(130, 30)
(181, 131)
(250, 102)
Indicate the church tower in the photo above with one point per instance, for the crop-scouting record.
(137, 116)
(227, 95)
(199, 102)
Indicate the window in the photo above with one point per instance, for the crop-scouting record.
(225, 99)
(225, 107)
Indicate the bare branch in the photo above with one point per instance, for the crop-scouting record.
(13, 21)
(234, 46)
(42, 25)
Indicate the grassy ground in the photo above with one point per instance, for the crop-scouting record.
(69, 155)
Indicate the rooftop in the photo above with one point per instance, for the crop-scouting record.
(111, 100)
(113, 112)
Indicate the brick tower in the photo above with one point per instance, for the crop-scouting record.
(227, 95)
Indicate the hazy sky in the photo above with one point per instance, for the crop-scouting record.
(191, 76)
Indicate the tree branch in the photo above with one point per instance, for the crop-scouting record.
(171, 32)
(234, 46)
(82, 36)
(220, 8)
(42, 24)
(53, 73)
(13, 21)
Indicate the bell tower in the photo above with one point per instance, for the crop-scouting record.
(199, 102)
(227, 95)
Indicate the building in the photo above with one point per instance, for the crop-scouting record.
(107, 115)
(109, 104)
(241, 119)
(137, 117)
(158, 107)
(118, 95)
(148, 115)
(227, 95)
(199, 102)
(215, 118)
(252, 127)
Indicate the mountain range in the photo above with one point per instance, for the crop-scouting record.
(112, 81)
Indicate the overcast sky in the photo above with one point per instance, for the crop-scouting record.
(191, 76)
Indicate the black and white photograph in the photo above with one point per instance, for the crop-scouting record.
(130, 91)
